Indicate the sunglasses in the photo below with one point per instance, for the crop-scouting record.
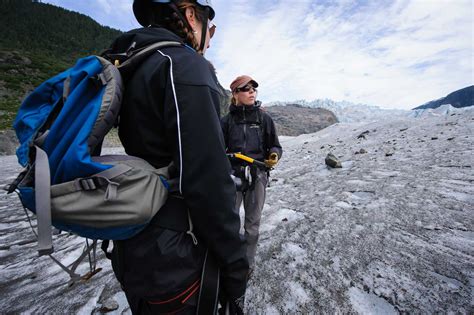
(212, 28)
(246, 88)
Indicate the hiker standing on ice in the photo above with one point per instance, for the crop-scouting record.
(170, 113)
(250, 131)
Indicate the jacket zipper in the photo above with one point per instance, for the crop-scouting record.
(245, 131)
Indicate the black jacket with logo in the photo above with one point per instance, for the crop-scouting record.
(170, 112)
(250, 131)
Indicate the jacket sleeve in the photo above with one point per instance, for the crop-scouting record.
(272, 144)
(195, 133)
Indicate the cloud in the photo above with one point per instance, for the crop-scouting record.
(398, 54)
(386, 53)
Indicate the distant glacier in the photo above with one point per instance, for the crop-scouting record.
(348, 112)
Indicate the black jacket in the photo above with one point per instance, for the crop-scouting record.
(250, 131)
(170, 112)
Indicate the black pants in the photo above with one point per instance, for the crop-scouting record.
(139, 306)
(161, 264)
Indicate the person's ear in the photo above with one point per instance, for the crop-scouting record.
(191, 17)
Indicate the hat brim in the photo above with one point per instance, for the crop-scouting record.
(253, 82)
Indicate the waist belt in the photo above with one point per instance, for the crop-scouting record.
(173, 215)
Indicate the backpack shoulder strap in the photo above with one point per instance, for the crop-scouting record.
(113, 77)
(138, 56)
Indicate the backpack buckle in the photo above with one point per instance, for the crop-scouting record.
(90, 183)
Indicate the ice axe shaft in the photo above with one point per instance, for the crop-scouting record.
(248, 159)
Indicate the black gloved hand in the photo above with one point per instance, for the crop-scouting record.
(233, 286)
(272, 160)
(235, 307)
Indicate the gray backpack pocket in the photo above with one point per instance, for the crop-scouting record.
(130, 193)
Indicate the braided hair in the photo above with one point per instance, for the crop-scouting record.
(172, 17)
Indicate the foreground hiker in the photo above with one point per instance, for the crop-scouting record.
(170, 114)
(250, 131)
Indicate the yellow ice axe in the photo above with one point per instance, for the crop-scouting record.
(248, 159)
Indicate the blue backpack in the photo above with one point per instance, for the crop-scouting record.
(60, 127)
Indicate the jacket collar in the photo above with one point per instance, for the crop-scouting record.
(245, 108)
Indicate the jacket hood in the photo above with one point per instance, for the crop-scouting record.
(256, 106)
(142, 37)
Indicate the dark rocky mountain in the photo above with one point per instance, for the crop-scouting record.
(224, 100)
(460, 98)
(294, 119)
(38, 41)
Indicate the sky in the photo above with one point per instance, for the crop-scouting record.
(393, 54)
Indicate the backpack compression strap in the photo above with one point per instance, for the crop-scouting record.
(43, 203)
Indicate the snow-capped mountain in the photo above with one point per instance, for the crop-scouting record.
(347, 111)
(389, 232)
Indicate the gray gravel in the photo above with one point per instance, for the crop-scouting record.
(384, 234)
